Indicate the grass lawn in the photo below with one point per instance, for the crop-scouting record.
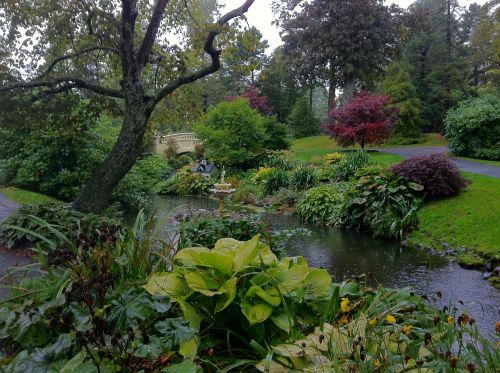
(308, 148)
(25, 197)
(483, 161)
(471, 219)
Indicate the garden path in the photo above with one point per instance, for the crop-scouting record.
(463, 165)
(9, 258)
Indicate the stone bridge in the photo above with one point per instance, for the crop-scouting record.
(181, 142)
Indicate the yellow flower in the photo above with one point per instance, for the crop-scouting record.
(391, 319)
(343, 320)
(373, 322)
(377, 363)
(451, 320)
(407, 329)
(344, 305)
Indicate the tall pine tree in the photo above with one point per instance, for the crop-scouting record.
(399, 87)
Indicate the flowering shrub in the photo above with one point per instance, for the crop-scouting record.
(435, 172)
(366, 119)
(333, 158)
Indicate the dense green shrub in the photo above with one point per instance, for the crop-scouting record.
(275, 180)
(88, 313)
(348, 166)
(246, 193)
(187, 183)
(275, 134)
(371, 169)
(437, 173)
(281, 160)
(205, 231)
(233, 307)
(321, 203)
(302, 121)
(234, 134)
(473, 127)
(283, 198)
(383, 204)
(303, 177)
(52, 146)
(49, 223)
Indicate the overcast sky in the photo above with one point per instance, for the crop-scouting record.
(261, 16)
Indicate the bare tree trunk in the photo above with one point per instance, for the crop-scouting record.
(332, 86)
(97, 192)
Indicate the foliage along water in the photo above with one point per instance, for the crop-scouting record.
(346, 254)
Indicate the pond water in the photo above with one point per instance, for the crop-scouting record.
(345, 254)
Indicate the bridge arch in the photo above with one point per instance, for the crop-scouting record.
(183, 142)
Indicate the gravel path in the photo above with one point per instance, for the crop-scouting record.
(463, 165)
(9, 258)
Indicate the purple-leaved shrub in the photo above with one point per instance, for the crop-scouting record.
(436, 173)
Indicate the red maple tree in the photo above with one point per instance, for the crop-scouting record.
(366, 119)
(257, 102)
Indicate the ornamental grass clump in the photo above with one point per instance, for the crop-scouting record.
(436, 173)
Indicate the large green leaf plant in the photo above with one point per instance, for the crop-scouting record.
(243, 288)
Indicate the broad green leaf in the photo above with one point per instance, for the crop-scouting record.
(271, 366)
(169, 284)
(73, 365)
(292, 278)
(350, 288)
(227, 245)
(270, 295)
(256, 312)
(288, 350)
(246, 253)
(187, 366)
(224, 300)
(190, 255)
(265, 255)
(203, 282)
(317, 283)
(282, 320)
(176, 329)
(220, 261)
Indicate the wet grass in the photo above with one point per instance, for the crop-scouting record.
(469, 219)
(308, 148)
(25, 197)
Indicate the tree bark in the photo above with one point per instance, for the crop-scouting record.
(97, 192)
(332, 86)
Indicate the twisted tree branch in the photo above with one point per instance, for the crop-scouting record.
(55, 86)
(210, 50)
(151, 32)
(74, 55)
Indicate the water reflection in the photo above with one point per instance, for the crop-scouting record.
(346, 254)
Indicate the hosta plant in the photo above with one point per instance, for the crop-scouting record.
(242, 287)
(320, 204)
(384, 204)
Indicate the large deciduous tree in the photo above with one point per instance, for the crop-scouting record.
(345, 43)
(110, 48)
(366, 119)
